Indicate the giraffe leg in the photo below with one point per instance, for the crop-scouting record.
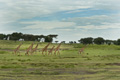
(58, 53)
(83, 52)
(19, 52)
(35, 52)
(46, 52)
(15, 52)
(55, 53)
(31, 53)
(79, 52)
(51, 53)
(27, 53)
(39, 50)
(42, 52)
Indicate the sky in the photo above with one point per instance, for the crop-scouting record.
(71, 20)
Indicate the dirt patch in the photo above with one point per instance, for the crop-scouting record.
(118, 64)
(69, 57)
(7, 79)
(11, 50)
(59, 71)
(6, 75)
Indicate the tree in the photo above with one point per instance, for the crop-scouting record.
(16, 36)
(99, 40)
(118, 42)
(2, 36)
(53, 35)
(27, 37)
(48, 39)
(41, 37)
(56, 41)
(115, 42)
(108, 42)
(88, 40)
(63, 42)
(71, 42)
(81, 40)
(75, 42)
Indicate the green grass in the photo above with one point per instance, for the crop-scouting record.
(98, 62)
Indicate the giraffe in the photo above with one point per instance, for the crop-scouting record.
(29, 49)
(82, 49)
(51, 50)
(57, 49)
(45, 49)
(17, 49)
(35, 49)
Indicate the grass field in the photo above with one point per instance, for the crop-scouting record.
(98, 62)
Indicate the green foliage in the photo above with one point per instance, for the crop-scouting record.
(2, 36)
(48, 39)
(118, 42)
(27, 37)
(16, 36)
(88, 40)
(3, 52)
(99, 40)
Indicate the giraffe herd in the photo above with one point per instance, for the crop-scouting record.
(30, 50)
(44, 50)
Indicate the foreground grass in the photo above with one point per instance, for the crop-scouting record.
(99, 62)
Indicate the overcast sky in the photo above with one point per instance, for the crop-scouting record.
(70, 19)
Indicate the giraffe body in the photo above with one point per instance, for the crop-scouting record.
(57, 49)
(45, 49)
(29, 49)
(17, 49)
(51, 50)
(35, 49)
(82, 49)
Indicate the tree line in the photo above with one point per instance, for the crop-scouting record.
(99, 41)
(49, 38)
(27, 37)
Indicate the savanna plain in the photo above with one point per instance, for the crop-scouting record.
(97, 62)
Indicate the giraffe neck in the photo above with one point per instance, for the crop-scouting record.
(36, 46)
(30, 47)
(47, 46)
(58, 46)
(19, 46)
(52, 48)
